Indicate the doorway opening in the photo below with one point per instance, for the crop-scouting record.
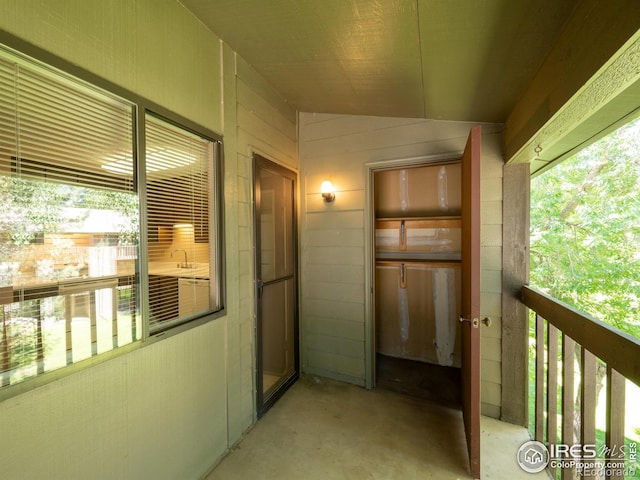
(417, 218)
(276, 280)
(430, 245)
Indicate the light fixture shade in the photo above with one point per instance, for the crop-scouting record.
(327, 191)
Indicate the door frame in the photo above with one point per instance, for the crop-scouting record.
(263, 406)
(370, 254)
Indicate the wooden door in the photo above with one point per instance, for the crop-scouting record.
(471, 297)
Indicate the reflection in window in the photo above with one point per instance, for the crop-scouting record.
(70, 233)
(68, 227)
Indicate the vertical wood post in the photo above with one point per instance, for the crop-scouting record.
(5, 346)
(39, 336)
(93, 316)
(588, 400)
(540, 338)
(552, 387)
(115, 301)
(515, 274)
(568, 397)
(615, 419)
(68, 339)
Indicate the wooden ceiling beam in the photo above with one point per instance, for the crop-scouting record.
(572, 98)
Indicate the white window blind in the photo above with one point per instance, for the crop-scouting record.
(68, 224)
(179, 169)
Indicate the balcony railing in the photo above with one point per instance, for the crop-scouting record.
(565, 413)
(82, 304)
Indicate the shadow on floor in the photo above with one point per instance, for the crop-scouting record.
(430, 382)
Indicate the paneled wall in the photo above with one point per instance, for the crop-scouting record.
(152, 47)
(334, 238)
(172, 408)
(262, 123)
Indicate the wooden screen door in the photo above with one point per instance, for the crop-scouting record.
(471, 297)
(276, 281)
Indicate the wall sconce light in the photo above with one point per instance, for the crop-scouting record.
(327, 192)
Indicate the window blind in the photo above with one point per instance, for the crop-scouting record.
(69, 223)
(179, 169)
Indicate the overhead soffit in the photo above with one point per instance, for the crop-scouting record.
(442, 59)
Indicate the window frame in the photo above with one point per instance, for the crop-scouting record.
(216, 230)
(141, 106)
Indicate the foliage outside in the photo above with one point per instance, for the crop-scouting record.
(34, 208)
(585, 230)
(585, 234)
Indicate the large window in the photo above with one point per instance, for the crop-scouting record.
(71, 249)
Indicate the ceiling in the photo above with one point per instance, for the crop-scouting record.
(466, 60)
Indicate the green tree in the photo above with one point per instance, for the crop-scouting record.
(33, 207)
(585, 233)
(585, 230)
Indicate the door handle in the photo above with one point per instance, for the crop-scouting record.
(259, 287)
(475, 322)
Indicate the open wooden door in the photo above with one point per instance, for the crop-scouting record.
(471, 297)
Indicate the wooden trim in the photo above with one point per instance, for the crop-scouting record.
(588, 400)
(515, 273)
(552, 388)
(615, 416)
(592, 63)
(568, 398)
(617, 349)
(539, 407)
(425, 264)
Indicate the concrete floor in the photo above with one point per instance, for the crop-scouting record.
(322, 429)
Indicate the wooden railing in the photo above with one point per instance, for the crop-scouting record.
(31, 344)
(564, 338)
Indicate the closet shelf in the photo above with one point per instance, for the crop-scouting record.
(421, 222)
(418, 256)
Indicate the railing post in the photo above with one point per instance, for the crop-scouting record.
(93, 320)
(68, 338)
(615, 420)
(599, 344)
(114, 316)
(539, 424)
(39, 339)
(5, 346)
(588, 400)
(552, 387)
(568, 397)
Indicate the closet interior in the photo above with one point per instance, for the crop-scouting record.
(417, 280)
